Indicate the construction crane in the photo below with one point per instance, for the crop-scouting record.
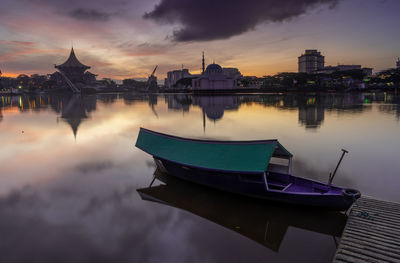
(1, 86)
(152, 81)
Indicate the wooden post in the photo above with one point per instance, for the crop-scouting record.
(290, 166)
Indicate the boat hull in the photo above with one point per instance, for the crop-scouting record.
(249, 184)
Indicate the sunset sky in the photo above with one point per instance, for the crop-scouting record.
(127, 38)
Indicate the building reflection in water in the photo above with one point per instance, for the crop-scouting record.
(392, 108)
(213, 107)
(311, 113)
(180, 102)
(74, 109)
(263, 222)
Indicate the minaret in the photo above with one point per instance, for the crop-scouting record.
(203, 63)
(204, 121)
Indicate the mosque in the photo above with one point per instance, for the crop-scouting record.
(214, 78)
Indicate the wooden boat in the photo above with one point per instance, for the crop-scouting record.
(264, 222)
(251, 168)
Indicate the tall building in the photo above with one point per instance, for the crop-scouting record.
(73, 69)
(398, 63)
(174, 76)
(311, 61)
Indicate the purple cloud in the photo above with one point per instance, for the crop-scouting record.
(209, 20)
(90, 14)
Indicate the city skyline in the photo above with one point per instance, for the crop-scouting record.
(127, 39)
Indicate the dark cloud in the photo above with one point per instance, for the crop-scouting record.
(94, 166)
(89, 10)
(90, 14)
(210, 20)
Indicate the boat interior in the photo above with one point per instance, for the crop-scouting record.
(277, 177)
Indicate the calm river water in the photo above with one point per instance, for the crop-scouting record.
(69, 175)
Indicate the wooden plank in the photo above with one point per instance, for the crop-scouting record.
(375, 237)
(369, 241)
(378, 209)
(386, 216)
(373, 227)
(372, 233)
(355, 248)
(350, 256)
(378, 223)
(372, 246)
(370, 200)
(376, 213)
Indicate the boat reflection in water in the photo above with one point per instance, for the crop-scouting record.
(263, 222)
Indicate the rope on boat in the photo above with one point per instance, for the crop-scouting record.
(364, 214)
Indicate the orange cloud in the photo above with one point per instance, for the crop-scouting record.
(21, 48)
(10, 74)
(17, 43)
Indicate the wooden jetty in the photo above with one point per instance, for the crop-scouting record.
(372, 233)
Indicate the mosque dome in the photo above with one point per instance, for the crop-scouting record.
(213, 68)
(215, 114)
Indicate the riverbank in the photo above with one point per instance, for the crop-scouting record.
(88, 91)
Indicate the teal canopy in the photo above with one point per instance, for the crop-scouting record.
(233, 156)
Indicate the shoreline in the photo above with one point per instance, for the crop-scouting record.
(209, 93)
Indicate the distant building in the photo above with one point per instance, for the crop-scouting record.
(367, 71)
(74, 70)
(214, 78)
(311, 61)
(348, 67)
(327, 70)
(134, 84)
(251, 82)
(331, 69)
(398, 63)
(174, 76)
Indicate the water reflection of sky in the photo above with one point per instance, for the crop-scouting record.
(66, 197)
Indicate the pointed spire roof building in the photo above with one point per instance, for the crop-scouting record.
(203, 64)
(72, 62)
